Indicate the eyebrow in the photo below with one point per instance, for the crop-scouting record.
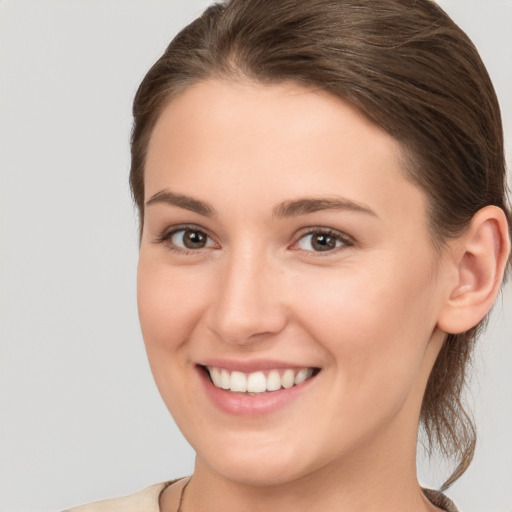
(182, 201)
(292, 208)
(311, 205)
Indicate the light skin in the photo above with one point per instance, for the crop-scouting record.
(280, 226)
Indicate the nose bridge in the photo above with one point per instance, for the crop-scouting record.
(247, 303)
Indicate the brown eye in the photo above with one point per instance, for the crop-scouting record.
(321, 242)
(190, 239)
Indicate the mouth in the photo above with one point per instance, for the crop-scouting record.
(259, 382)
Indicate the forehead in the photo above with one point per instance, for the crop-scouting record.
(257, 112)
(285, 139)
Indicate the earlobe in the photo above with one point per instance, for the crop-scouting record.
(481, 257)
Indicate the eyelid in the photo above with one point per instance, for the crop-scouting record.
(346, 240)
(165, 236)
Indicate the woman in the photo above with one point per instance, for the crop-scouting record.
(323, 230)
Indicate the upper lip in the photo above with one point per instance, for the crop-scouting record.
(253, 365)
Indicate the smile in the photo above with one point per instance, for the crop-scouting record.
(258, 382)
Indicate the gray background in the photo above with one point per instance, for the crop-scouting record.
(80, 416)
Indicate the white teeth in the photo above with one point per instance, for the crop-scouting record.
(303, 375)
(215, 375)
(238, 382)
(258, 382)
(225, 379)
(273, 381)
(288, 379)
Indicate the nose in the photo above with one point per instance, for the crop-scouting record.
(249, 302)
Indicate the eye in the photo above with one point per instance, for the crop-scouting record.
(322, 241)
(187, 239)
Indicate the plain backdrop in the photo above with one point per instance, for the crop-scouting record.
(80, 417)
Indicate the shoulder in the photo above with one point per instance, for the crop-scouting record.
(142, 501)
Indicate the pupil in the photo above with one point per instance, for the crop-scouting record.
(194, 239)
(322, 242)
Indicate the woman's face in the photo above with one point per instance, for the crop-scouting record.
(283, 242)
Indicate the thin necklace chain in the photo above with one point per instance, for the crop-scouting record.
(182, 496)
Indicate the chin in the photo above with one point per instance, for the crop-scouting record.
(255, 472)
(259, 460)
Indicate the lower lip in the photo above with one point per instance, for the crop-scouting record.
(242, 404)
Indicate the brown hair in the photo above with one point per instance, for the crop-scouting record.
(409, 68)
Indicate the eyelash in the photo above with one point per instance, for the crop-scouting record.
(344, 240)
(166, 236)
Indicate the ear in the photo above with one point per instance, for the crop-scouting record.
(481, 256)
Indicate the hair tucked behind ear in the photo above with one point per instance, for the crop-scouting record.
(412, 71)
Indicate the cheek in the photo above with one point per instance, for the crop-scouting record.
(374, 322)
(169, 306)
(168, 313)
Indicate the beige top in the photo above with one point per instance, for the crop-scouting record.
(147, 501)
